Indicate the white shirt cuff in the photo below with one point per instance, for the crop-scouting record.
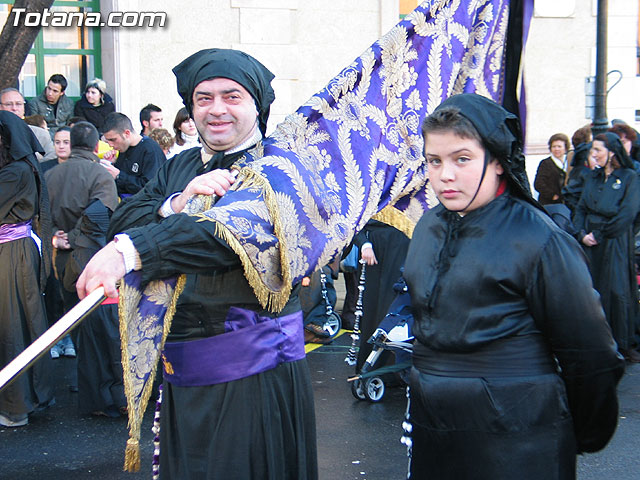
(128, 250)
(366, 245)
(165, 209)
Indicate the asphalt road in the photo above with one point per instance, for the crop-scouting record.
(356, 439)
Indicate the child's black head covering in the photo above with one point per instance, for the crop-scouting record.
(232, 64)
(501, 136)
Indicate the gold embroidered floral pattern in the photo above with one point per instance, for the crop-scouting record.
(355, 147)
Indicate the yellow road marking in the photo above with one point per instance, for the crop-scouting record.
(310, 347)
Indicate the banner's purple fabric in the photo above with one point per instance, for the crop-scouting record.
(355, 148)
(14, 231)
(252, 344)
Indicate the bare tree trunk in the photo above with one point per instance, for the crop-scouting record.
(16, 41)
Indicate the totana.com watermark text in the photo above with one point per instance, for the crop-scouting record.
(47, 18)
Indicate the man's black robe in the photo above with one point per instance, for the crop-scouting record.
(261, 426)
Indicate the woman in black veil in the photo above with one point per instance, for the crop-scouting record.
(605, 218)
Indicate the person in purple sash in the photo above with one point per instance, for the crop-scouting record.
(237, 398)
(24, 211)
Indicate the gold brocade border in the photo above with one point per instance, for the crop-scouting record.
(394, 217)
(136, 412)
(274, 301)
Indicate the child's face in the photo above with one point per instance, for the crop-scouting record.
(455, 167)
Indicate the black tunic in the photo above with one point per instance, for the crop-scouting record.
(504, 281)
(258, 427)
(137, 165)
(22, 311)
(608, 209)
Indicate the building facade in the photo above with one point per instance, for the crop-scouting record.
(307, 42)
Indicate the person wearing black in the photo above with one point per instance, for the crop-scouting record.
(580, 164)
(514, 367)
(95, 104)
(24, 209)
(605, 219)
(233, 423)
(139, 157)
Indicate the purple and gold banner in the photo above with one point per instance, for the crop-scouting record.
(354, 150)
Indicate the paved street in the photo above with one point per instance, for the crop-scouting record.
(357, 440)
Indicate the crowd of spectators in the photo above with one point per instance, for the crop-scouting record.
(595, 188)
(91, 158)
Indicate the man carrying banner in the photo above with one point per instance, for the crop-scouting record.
(237, 398)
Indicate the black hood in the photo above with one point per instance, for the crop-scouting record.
(581, 155)
(19, 137)
(501, 136)
(22, 145)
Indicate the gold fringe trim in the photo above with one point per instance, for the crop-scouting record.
(132, 451)
(394, 217)
(274, 301)
(132, 456)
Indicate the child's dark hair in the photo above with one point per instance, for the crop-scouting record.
(450, 119)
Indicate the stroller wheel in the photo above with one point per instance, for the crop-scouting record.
(332, 325)
(374, 389)
(357, 389)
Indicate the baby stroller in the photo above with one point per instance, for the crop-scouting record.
(394, 335)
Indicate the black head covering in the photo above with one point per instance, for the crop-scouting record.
(22, 144)
(18, 136)
(233, 64)
(614, 145)
(500, 133)
(581, 155)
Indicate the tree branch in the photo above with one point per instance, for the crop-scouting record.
(16, 41)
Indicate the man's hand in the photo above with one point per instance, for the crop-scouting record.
(110, 168)
(60, 240)
(589, 240)
(216, 182)
(368, 256)
(105, 268)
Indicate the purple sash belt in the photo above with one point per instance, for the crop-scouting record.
(14, 231)
(252, 344)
